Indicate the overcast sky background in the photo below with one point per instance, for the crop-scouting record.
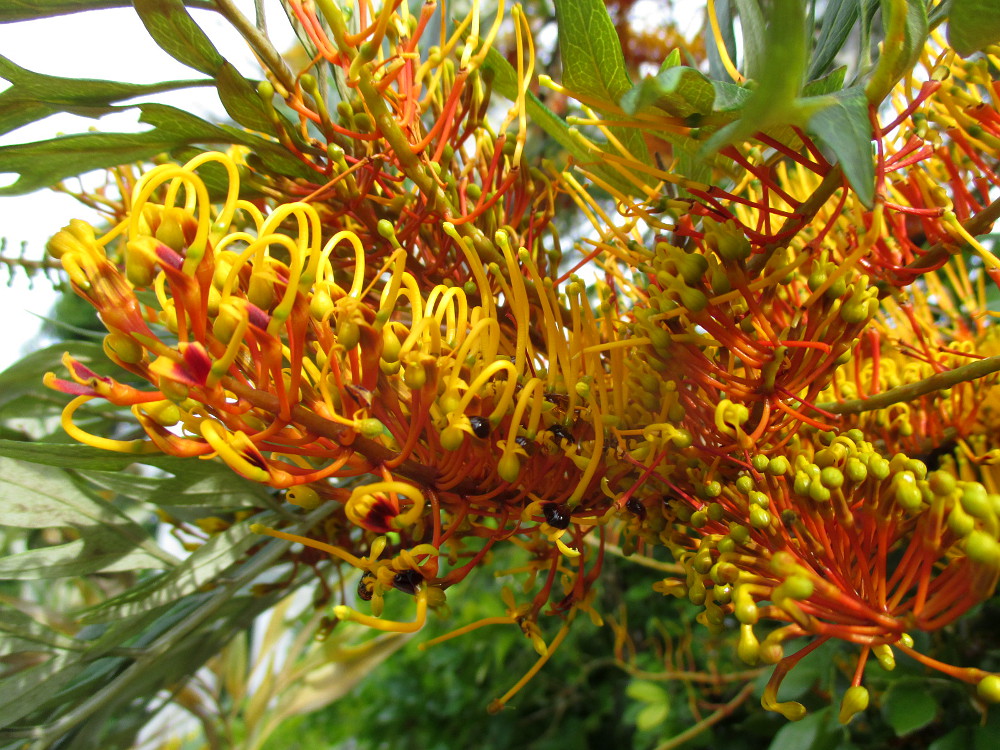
(107, 44)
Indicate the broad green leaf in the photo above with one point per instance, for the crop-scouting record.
(839, 18)
(755, 44)
(44, 163)
(844, 128)
(99, 550)
(593, 62)
(908, 706)
(959, 738)
(72, 455)
(33, 96)
(25, 10)
(36, 498)
(651, 716)
(240, 99)
(24, 691)
(804, 734)
(679, 90)
(973, 25)
(218, 554)
(173, 29)
(207, 484)
(646, 691)
(831, 83)
(774, 102)
(670, 61)
(19, 632)
(592, 58)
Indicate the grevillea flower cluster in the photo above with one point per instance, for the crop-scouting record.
(787, 386)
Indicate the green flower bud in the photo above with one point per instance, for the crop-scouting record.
(960, 523)
(886, 658)
(452, 438)
(975, 501)
(124, 348)
(509, 467)
(759, 518)
(908, 495)
(854, 702)
(304, 496)
(942, 483)
(988, 688)
(831, 477)
(748, 648)
(982, 548)
(855, 470)
(778, 466)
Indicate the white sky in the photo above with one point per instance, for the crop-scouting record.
(110, 44)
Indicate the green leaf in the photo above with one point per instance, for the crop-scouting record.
(646, 691)
(209, 484)
(33, 96)
(71, 455)
(652, 716)
(831, 83)
(44, 163)
(592, 58)
(804, 734)
(240, 99)
(973, 25)
(593, 62)
(218, 554)
(775, 101)
(844, 128)
(25, 10)
(23, 691)
(37, 498)
(908, 706)
(959, 738)
(679, 90)
(838, 20)
(173, 29)
(755, 44)
(206, 484)
(99, 550)
(21, 632)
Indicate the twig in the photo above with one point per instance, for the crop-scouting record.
(938, 382)
(258, 42)
(709, 721)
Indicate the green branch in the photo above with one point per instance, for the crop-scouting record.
(938, 382)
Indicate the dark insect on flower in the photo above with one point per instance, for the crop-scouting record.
(365, 590)
(560, 433)
(480, 426)
(636, 508)
(556, 516)
(407, 581)
(525, 443)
